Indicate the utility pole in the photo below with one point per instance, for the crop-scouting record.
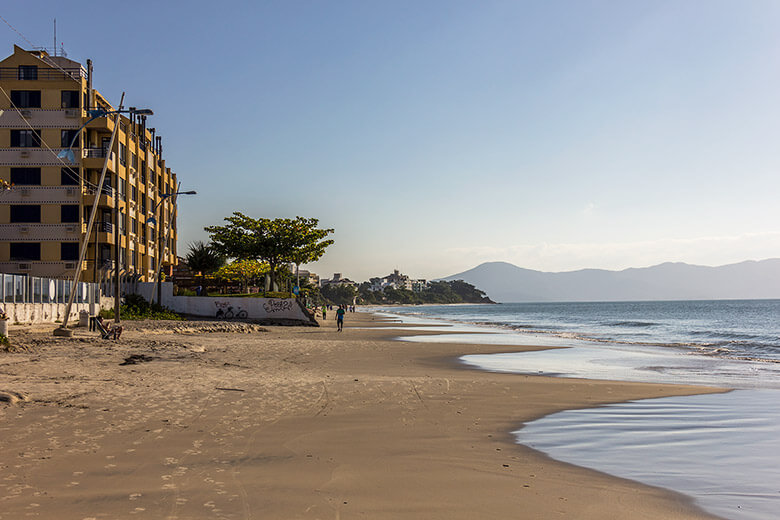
(117, 234)
(63, 329)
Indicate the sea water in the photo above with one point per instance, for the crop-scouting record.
(721, 449)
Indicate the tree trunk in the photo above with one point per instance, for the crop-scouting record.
(273, 275)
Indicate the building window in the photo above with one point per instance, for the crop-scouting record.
(69, 213)
(27, 213)
(26, 98)
(122, 154)
(133, 160)
(133, 193)
(143, 175)
(133, 226)
(28, 72)
(68, 136)
(69, 251)
(26, 176)
(25, 251)
(143, 205)
(69, 177)
(70, 98)
(26, 138)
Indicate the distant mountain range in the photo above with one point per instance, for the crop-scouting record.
(505, 282)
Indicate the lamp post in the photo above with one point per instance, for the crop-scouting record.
(163, 241)
(67, 153)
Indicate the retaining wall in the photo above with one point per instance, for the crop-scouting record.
(265, 309)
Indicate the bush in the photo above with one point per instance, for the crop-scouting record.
(269, 294)
(136, 307)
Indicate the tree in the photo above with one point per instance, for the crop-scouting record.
(243, 271)
(339, 294)
(277, 242)
(203, 258)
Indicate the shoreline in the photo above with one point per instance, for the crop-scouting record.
(297, 423)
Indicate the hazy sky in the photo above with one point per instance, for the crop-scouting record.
(435, 135)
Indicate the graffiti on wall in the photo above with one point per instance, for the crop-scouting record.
(225, 311)
(273, 305)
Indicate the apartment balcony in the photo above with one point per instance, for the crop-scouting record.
(102, 124)
(104, 231)
(94, 157)
(44, 74)
(106, 198)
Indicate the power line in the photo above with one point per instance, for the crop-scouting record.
(17, 32)
(46, 59)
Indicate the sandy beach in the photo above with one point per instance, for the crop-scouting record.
(199, 420)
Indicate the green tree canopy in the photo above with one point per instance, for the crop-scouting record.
(339, 294)
(243, 271)
(202, 258)
(277, 242)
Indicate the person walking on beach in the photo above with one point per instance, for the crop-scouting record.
(340, 317)
(323, 312)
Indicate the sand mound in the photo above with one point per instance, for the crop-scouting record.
(11, 397)
(193, 327)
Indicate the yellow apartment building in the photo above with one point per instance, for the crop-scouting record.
(43, 215)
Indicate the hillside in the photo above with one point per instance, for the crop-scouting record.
(506, 282)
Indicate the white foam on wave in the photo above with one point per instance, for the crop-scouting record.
(722, 449)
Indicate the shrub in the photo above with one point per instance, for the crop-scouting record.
(136, 307)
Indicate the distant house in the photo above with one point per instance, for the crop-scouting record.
(419, 285)
(397, 280)
(312, 278)
(338, 280)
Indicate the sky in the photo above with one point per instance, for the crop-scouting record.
(436, 135)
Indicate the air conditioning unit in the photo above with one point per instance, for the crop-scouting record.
(72, 112)
(25, 267)
(70, 265)
(71, 192)
(24, 192)
(24, 229)
(25, 153)
(70, 229)
(25, 113)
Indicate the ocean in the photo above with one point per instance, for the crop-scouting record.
(723, 450)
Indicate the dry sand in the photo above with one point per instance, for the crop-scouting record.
(289, 423)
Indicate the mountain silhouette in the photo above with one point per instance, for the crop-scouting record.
(505, 282)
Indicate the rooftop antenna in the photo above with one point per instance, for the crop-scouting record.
(55, 37)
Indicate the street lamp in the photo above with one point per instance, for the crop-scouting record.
(67, 153)
(62, 330)
(164, 240)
